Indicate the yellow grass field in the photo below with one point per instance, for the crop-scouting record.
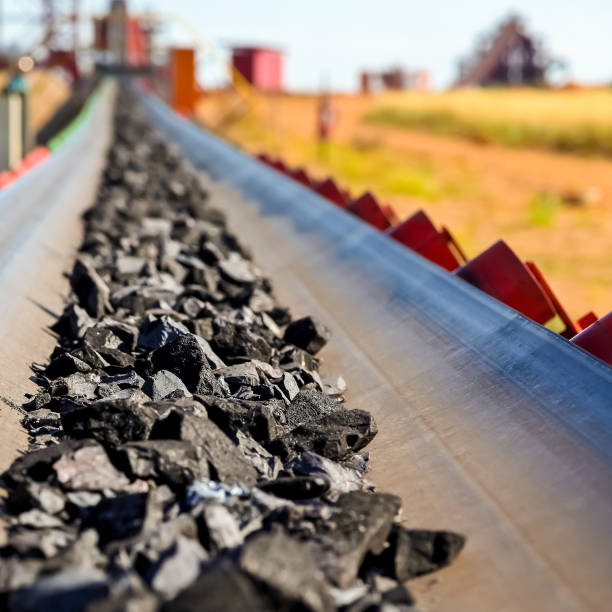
(575, 121)
(553, 208)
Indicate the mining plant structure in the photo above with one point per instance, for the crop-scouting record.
(508, 57)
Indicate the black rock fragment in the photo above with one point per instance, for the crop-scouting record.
(308, 334)
(173, 462)
(164, 384)
(112, 422)
(221, 589)
(288, 572)
(225, 460)
(190, 358)
(92, 292)
(336, 436)
(414, 552)
(360, 524)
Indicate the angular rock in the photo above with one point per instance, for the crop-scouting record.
(237, 342)
(336, 436)
(173, 462)
(65, 365)
(38, 466)
(360, 524)
(71, 590)
(89, 469)
(178, 568)
(225, 460)
(189, 357)
(308, 407)
(223, 589)
(92, 292)
(341, 477)
(414, 552)
(308, 334)
(264, 421)
(239, 374)
(222, 529)
(73, 323)
(286, 568)
(165, 384)
(159, 332)
(110, 422)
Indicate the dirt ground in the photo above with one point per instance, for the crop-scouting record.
(481, 192)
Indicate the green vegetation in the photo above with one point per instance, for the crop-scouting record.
(543, 208)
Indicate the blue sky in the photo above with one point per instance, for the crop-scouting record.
(332, 40)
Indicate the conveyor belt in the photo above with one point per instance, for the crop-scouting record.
(489, 424)
(40, 228)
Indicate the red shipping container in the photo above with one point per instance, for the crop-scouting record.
(259, 66)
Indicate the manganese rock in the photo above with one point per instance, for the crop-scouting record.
(308, 334)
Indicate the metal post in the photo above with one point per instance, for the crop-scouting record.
(12, 129)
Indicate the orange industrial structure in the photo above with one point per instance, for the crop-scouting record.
(183, 93)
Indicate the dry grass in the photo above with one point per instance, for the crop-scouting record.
(577, 121)
(480, 192)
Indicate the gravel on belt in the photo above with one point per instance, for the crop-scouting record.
(185, 452)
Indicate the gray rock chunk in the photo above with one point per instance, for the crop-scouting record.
(39, 401)
(360, 524)
(37, 519)
(336, 436)
(165, 384)
(413, 552)
(341, 477)
(130, 380)
(236, 341)
(266, 464)
(237, 269)
(174, 462)
(223, 589)
(189, 357)
(287, 387)
(64, 365)
(38, 466)
(110, 422)
(77, 385)
(127, 266)
(264, 421)
(89, 469)
(69, 591)
(285, 566)
(225, 460)
(41, 418)
(239, 374)
(222, 529)
(92, 292)
(159, 332)
(308, 334)
(308, 406)
(178, 568)
(73, 323)
(40, 495)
